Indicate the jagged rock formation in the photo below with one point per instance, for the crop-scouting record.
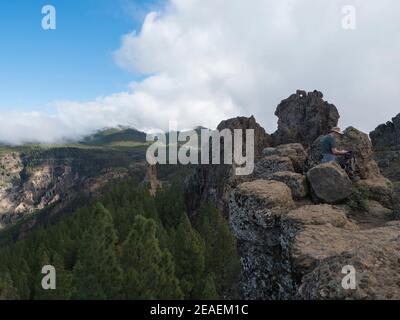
(387, 136)
(292, 246)
(255, 207)
(386, 142)
(214, 182)
(303, 117)
(330, 182)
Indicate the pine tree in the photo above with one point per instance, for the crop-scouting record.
(206, 289)
(171, 205)
(222, 258)
(97, 273)
(189, 255)
(148, 271)
(7, 289)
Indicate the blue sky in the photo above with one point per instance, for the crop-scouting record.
(72, 62)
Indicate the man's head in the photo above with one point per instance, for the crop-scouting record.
(335, 131)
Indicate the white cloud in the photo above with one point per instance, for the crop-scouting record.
(213, 59)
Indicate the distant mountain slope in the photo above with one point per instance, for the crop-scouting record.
(116, 136)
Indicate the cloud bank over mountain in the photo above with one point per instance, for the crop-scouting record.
(207, 60)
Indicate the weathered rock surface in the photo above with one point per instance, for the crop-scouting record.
(303, 117)
(379, 189)
(300, 253)
(387, 136)
(377, 210)
(294, 151)
(267, 166)
(386, 142)
(214, 182)
(330, 182)
(359, 143)
(295, 181)
(326, 251)
(254, 208)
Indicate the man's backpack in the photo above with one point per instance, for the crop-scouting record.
(348, 163)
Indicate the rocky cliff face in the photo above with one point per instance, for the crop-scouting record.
(297, 230)
(386, 142)
(294, 251)
(214, 182)
(387, 136)
(303, 117)
(28, 185)
(294, 245)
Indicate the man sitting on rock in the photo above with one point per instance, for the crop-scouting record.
(331, 154)
(328, 146)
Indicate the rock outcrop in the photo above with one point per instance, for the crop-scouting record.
(268, 166)
(214, 182)
(301, 253)
(295, 181)
(294, 151)
(254, 208)
(303, 117)
(386, 142)
(292, 248)
(387, 136)
(330, 182)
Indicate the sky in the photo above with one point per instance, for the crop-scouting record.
(145, 63)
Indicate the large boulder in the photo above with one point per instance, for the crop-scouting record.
(267, 166)
(303, 117)
(330, 182)
(379, 189)
(359, 143)
(294, 151)
(295, 181)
